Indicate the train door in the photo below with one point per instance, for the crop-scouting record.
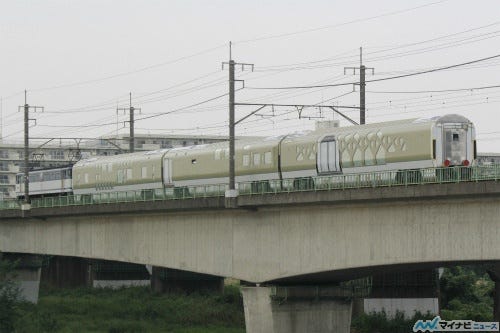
(456, 144)
(328, 160)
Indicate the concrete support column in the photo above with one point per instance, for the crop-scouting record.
(294, 310)
(67, 272)
(27, 274)
(167, 280)
(494, 273)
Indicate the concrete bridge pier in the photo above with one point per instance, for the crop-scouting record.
(296, 310)
(67, 272)
(27, 274)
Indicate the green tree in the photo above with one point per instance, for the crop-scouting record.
(9, 296)
(466, 293)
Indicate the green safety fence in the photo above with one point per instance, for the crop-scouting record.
(319, 183)
(373, 179)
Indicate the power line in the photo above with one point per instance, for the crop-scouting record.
(455, 43)
(377, 80)
(184, 107)
(129, 72)
(340, 24)
(432, 91)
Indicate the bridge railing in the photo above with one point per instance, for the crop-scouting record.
(319, 183)
(373, 179)
(173, 193)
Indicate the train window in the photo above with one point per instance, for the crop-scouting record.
(36, 177)
(268, 157)
(256, 159)
(246, 160)
(119, 176)
(144, 172)
(455, 136)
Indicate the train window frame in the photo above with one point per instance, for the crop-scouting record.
(246, 160)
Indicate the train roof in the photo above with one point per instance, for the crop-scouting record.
(119, 157)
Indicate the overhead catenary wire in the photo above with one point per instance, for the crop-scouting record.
(378, 80)
(113, 76)
(317, 63)
(339, 24)
(432, 91)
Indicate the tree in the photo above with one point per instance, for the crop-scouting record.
(9, 296)
(466, 293)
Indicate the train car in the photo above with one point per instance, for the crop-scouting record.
(46, 182)
(289, 160)
(118, 173)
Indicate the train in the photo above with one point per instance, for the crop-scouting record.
(281, 161)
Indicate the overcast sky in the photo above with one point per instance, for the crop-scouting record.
(80, 59)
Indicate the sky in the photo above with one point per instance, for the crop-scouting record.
(81, 59)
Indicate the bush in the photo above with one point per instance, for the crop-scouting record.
(377, 322)
(9, 297)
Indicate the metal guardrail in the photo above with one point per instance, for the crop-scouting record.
(319, 183)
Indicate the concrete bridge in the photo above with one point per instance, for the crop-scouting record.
(287, 238)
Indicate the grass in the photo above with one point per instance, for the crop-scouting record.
(133, 309)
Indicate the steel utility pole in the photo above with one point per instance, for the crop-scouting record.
(362, 85)
(131, 110)
(231, 122)
(27, 119)
(231, 63)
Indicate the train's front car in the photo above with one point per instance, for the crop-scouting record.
(454, 141)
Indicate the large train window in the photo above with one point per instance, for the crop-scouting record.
(328, 155)
(246, 160)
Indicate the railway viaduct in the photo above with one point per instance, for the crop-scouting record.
(297, 239)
